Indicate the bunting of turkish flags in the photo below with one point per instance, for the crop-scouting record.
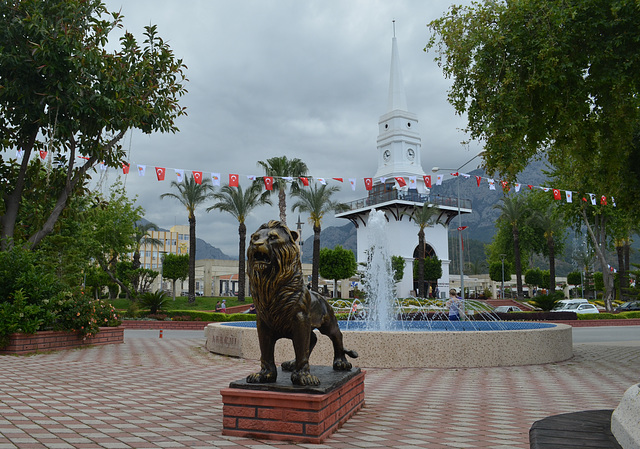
(400, 180)
(197, 177)
(603, 200)
(368, 183)
(478, 180)
(305, 181)
(233, 180)
(339, 179)
(427, 181)
(556, 194)
(268, 182)
(43, 154)
(125, 168)
(160, 172)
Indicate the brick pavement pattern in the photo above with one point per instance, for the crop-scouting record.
(152, 393)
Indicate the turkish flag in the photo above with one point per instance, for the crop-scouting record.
(125, 168)
(160, 172)
(43, 154)
(368, 183)
(339, 179)
(268, 182)
(305, 181)
(478, 180)
(556, 194)
(603, 200)
(427, 181)
(197, 177)
(400, 180)
(233, 180)
(505, 185)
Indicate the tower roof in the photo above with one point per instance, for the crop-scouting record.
(397, 97)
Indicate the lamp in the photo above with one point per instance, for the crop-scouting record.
(436, 169)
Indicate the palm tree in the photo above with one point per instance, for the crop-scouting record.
(422, 216)
(552, 228)
(316, 201)
(279, 168)
(191, 195)
(141, 237)
(239, 203)
(513, 212)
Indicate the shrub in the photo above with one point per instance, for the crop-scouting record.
(155, 301)
(547, 302)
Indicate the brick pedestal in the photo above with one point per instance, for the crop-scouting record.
(300, 414)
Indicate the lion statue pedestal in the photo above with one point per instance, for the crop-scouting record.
(315, 403)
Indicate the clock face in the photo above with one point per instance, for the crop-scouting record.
(387, 155)
(411, 154)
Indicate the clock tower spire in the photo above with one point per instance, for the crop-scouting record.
(399, 143)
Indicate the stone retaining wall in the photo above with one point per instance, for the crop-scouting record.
(56, 340)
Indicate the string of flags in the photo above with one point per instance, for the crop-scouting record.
(403, 183)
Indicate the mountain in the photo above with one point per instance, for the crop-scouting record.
(331, 237)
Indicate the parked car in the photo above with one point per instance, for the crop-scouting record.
(582, 308)
(563, 304)
(505, 309)
(628, 306)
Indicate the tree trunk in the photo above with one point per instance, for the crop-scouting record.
(621, 273)
(242, 232)
(551, 246)
(282, 204)
(517, 262)
(421, 292)
(315, 258)
(607, 278)
(192, 259)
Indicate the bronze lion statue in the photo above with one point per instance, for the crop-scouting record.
(285, 308)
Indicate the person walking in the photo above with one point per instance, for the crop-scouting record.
(454, 305)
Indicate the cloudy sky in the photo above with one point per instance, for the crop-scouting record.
(305, 79)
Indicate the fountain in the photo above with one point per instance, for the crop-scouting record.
(425, 338)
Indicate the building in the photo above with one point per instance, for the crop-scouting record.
(399, 156)
(174, 241)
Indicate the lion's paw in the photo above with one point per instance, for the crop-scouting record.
(341, 365)
(261, 377)
(304, 378)
(289, 365)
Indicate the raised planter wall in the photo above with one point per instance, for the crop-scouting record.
(56, 340)
(168, 325)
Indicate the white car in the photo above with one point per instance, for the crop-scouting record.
(505, 309)
(582, 308)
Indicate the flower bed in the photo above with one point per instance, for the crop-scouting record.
(56, 340)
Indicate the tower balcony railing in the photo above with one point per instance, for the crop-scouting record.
(411, 196)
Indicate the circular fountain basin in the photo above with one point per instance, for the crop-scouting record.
(418, 344)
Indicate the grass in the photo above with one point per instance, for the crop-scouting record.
(182, 303)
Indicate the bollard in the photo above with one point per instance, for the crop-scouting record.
(160, 336)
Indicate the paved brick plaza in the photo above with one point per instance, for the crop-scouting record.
(152, 393)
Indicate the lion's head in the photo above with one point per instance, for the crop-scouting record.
(273, 256)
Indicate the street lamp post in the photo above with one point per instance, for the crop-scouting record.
(502, 256)
(457, 170)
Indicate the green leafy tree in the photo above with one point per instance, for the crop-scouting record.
(191, 195)
(533, 277)
(175, 267)
(337, 263)
(142, 237)
(316, 201)
(513, 213)
(574, 278)
(432, 272)
(397, 265)
(495, 271)
(547, 302)
(65, 93)
(239, 203)
(423, 217)
(281, 168)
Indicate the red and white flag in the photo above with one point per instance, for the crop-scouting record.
(505, 185)
(322, 181)
(556, 194)
(179, 174)
(215, 179)
(305, 181)
(125, 168)
(233, 180)
(478, 180)
(412, 182)
(593, 198)
(492, 184)
(160, 172)
(368, 183)
(427, 181)
(352, 181)
(439, 179)
(197, 177)
(43, 154)
(268, 182)
(103, 166)
(142, 170)
(569, 196)
(339, 179)
(603, 200)
(400, 180)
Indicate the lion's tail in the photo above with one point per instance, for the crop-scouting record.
(350, 353)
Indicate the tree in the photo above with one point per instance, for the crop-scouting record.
(513, 213)
(397, 265)
(316, 201)
(574, 278)
(337, 263)
(422, 216)
(239, 203)
(533, 277)
(191, 194)
(281, 168)
(495, 271)
(175, 267)
(65, 94)
(555, 79)
(432, 272)
(141, 237)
